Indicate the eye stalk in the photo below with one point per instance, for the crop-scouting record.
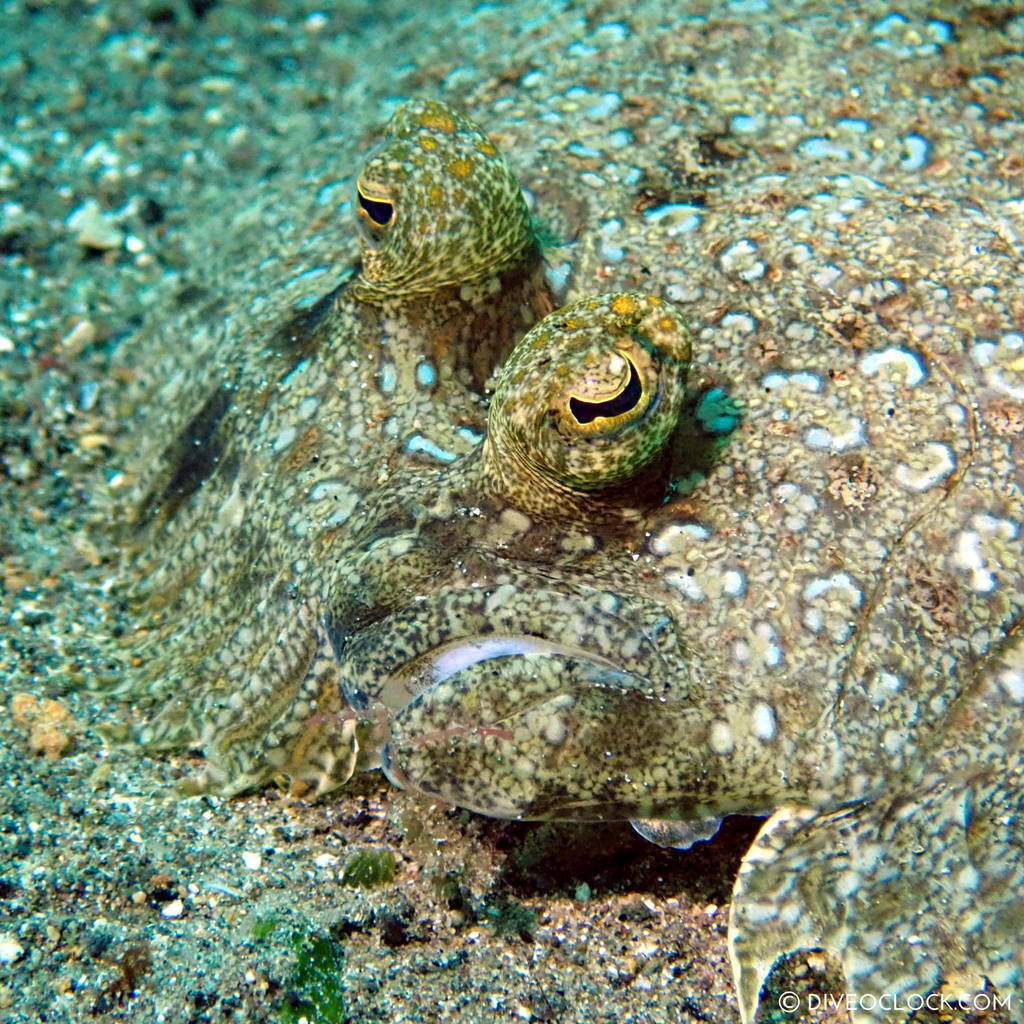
(586, 403)
(437, 206)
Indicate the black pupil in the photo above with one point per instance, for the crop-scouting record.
(378, 211)
(587, 412)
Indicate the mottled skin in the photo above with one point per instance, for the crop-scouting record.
(846, 596)
(526, 546)
(823, 622)
(845, 607)
(278, 432)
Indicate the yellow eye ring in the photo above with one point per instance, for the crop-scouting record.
(623, 401)
(378, 210)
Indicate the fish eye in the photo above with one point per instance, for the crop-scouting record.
(618, 404)
(380, 211)
(587, 401)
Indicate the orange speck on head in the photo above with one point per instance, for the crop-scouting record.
(326, 540)
(487, 149)
(438, 122)
(436, 195)
(461, 168)
(666, 323)
(623, 304)
(428, 142)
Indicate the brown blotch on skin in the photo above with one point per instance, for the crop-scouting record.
(848, 326)
(894, 311)
(934, 598)
(1011, 166)
(1005, 417)
(304, 449)
(852, 482)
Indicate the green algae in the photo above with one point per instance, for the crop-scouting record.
(369, 869)
(313, 991)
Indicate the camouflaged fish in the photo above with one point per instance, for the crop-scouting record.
(788, 583)
(844, 647)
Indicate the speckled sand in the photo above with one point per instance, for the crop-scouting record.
(150, 150)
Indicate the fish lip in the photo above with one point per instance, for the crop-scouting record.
(402, 681)
(489, 647)
(389, 663)
(446, 724)
(496, 646)
(439, 664)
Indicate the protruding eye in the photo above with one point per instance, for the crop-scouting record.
(379, 210)
(586, 402)
(436, 206)
(590, 408)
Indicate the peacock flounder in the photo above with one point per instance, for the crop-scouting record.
(789, 583)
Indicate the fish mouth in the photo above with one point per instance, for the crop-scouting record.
(478, 697)
(464, 654)
(391, 661)
(471, 681)
(515, 728)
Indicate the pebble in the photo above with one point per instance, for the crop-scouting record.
(173, 909)
(10, 949)
(93, 228)
(82, 334)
